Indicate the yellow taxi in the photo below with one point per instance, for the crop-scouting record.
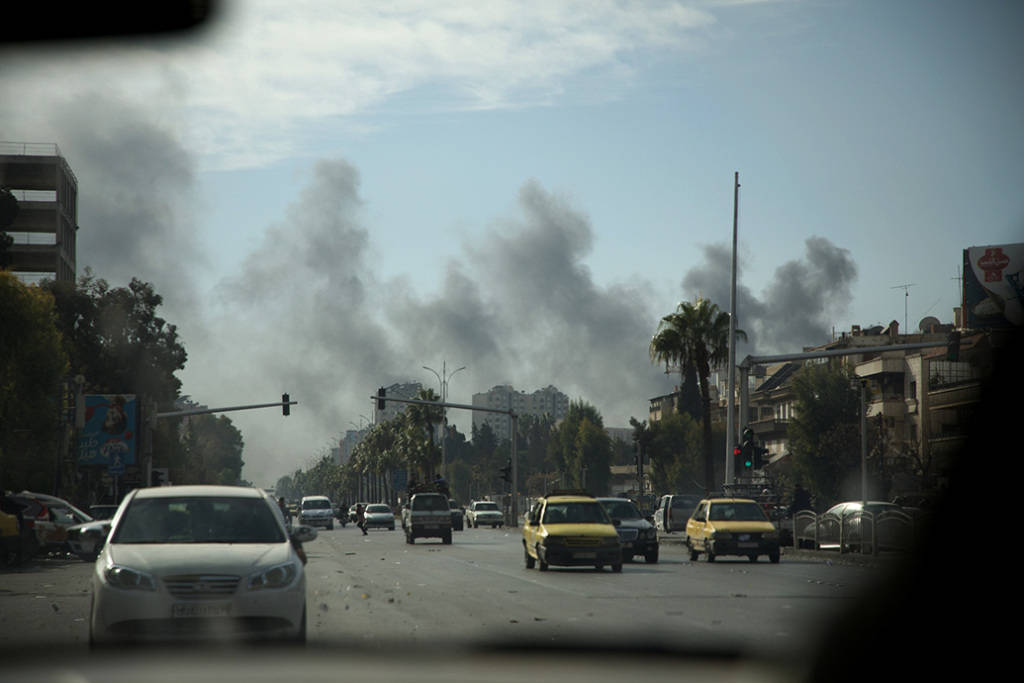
(731, 526)
(570, 529)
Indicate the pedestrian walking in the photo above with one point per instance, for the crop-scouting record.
(361, 518)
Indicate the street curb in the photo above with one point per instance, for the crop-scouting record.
(831, 557)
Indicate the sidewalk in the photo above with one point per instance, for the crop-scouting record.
(833, 556)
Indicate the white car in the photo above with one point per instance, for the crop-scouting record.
(380, 516)
(316, 511)
(484, 512)
(199, 563)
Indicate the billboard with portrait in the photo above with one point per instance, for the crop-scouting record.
(993, 282)
(110, 435)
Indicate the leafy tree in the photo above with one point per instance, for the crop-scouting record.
(33, 365)
(213, 447)
(580, 441)
(824, 435)
(696, 336)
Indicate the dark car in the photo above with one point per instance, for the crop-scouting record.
(102, 511)
(458, 514)
(636, 534)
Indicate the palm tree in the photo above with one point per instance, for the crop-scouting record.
(696, 338)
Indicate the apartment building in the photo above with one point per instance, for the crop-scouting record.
(45, 226)
(546, 401)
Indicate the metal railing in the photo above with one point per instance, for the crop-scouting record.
(35, 149)
(861, 532)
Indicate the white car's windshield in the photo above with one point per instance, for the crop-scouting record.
(198, 520)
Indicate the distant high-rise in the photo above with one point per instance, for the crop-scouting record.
(393, 408)
(44, 230)
(546, 401)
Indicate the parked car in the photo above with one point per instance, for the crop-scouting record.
(199, 563)
(458, 514)
(673, 512)
(49, 517)
(636, 534)
(570, 530)
(842, 527)
(86, 540)
(316, 511)
(484, 512)
(379, 516)
(731, 526)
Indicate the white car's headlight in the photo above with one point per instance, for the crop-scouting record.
(129, 579)
(276, 577)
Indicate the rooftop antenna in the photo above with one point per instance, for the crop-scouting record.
(906, 297)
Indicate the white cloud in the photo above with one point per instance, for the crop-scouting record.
(247, 88)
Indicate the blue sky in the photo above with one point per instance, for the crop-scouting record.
(525, 187)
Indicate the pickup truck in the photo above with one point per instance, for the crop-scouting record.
(427, 515)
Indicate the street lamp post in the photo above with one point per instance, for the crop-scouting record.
(443, 379)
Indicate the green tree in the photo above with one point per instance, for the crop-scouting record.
(213, 447)
(696, 336)
(580, 441)
(824, 434)
(33, 365)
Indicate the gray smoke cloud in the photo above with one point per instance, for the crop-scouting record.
(795, 309)
(136, 196)
(306, 314)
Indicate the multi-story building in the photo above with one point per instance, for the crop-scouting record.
(44, 229)
(546, 401)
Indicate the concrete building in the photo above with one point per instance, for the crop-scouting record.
(44, 230)
(546, 401)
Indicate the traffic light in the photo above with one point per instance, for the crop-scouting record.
(158, 476)
(737, 459)
(748, 456)
(953, 346)
(760, 457)
(506, 472)
(286, 409)
(381, 393)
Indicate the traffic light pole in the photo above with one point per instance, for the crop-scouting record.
(381, 397)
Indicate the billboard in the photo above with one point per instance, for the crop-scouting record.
(993, 282)
(110, 436)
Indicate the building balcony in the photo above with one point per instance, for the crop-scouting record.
(888, 407)
(881, 366)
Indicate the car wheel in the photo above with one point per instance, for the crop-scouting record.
(711, 556)
(447, 539)
(530, 562)
(598, 567)
(617, 568)
(774, 558)
(752, 558)
(300, 637)
(330, 527)
(391, 528)
(543, 566)
(652, 557)
(694, 554)
(409, 538)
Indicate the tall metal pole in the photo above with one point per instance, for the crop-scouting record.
(730, 423)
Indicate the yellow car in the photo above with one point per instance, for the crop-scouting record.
(731, 526)
(570, 530)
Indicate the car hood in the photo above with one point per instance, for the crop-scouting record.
(581, 530)
(185, 558)
(760, 527)
(97, 525)
(635, 524)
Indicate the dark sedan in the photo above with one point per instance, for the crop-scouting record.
(636, 534)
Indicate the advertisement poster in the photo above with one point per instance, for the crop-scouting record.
(993, 285)
(110, 435)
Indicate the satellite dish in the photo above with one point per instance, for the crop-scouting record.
(927, 323)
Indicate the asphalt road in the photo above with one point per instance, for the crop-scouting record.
(373, 591)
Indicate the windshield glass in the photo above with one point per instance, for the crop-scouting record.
(511, 251)
(575, 513)
(621, 509)
(736, 512)
(198, 520)
(378, 508)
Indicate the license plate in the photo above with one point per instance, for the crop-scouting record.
(747, 545)
(585, 556)
(201, 610)
(627, 544)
